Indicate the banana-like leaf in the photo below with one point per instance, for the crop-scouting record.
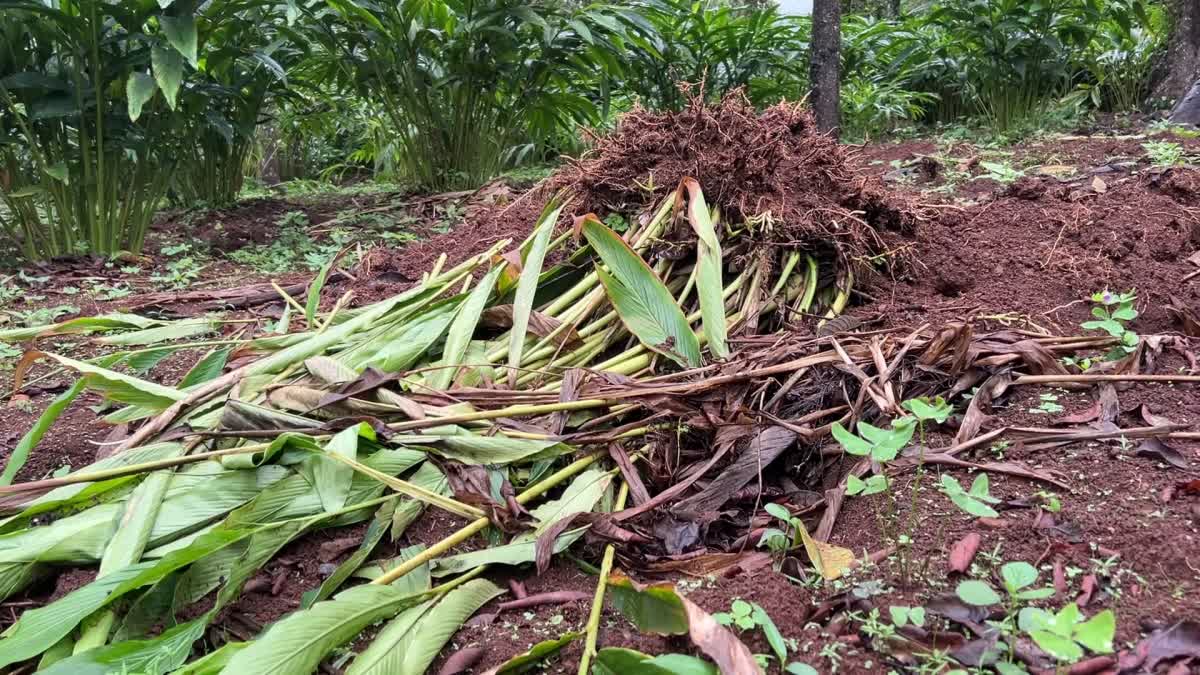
(209, 367)
(39, 629)
(175, 330)
(468, 448)
(114, 385)
(527, 285)
(20, 454)
(521, 551)
(150, 656)
(333, 478)
(408, 644)
(709, 284)
(314, 293)
(298, 642)
(644, 304)
(407, 341)
(579, 497)
(619, 661)
(528, 660)
(83, 324)
(462, 329)
(213, 662)
(371, 538)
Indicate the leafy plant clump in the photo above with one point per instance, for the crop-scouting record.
(1113, 312)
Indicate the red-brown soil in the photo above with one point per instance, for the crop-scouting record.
(1027, 254)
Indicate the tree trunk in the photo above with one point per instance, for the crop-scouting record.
(825, 65)
(1180, 66)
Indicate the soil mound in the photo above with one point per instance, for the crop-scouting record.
(772, 167)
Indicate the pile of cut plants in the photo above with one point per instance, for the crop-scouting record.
(662, 379)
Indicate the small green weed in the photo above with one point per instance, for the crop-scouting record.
(1065, 634)
(1113, 311)
(974, 501)
(1163, 153)
(1001, 172)
(32, 318)
(1048, 405)
(749, 615)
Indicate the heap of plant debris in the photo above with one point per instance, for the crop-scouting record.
(625, 395)
(773, 169)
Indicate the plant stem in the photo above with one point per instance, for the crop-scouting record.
(593, 625)
(531, 493)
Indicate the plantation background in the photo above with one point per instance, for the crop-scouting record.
(110, 110)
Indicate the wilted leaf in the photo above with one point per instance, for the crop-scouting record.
(718, 642)
(831, 561)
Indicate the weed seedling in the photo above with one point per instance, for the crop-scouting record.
(1113, 311)
(974, 501)
(749, 615)
(902, 615)
(1065, 634)
(1018, 579)
(1163, 153)
(1001, 172)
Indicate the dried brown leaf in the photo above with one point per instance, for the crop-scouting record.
(963, 552)
(718, 642)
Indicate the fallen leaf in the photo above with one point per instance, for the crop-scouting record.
(963, 553)
(831, 561)
(1060, 578)
(1181, 639)
(1099, 185)
(1160, 451)
(1083, 416)
(1057, 170)
(1089, 587)
(719, 643)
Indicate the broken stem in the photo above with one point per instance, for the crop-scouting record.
(593, 624)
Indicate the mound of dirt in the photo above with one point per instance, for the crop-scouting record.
(774, 165)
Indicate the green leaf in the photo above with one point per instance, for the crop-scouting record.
(850, 443)
(209, 367)
(899, 614)
(213, 662)
(412, 640)
(519, 552)
(180, 31)
(529, 660)
(167, 332)
(1061, 648)
(875, 485)
(20, 454)
(771, 632)
(470, 448)
(298, 642)
(1035, 594)
(333, 478)
(709, 284)
(314, 293)
(462, 329)
(527, 285)
(122, 387)
(153, 655)
(925, 409)
(1097, 632)
(653, 609)
(580, 497)
(379, 526)
(973, 506)
(978, 593)
(167, 65)
(1017, 575)
(797, 668)
(139, 89)
(620, 661)
(779, 511)
(980, 486)
(642, 302)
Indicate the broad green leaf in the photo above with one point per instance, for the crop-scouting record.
(1061, 648)
(462, 329)
(709, 284)
(620, 661)
(925, 409)
(167, 65)
(412, 640)
(470, 448)
(314, 293)
(580, 497)
(653, 609)
(978, 593)
(213, 662)
(779, 511)
(139, 89)
(400, 349)
(180, 31)
(333, 478)
(379, 526)
(39, 629)
(168, 332)
(528, 660)
(973, 506)
(83, 324)
(643, 303)
(771, 631)
(298, 642)
(1018, 575)
(1097, 632)
(122, 387)
(209, 367)
(527, 285)
(850, 443)
(797, 668)
(979, 487)
(516, 553)
(20, 454)
(148, 656)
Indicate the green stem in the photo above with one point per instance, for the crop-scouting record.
(593, 625)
